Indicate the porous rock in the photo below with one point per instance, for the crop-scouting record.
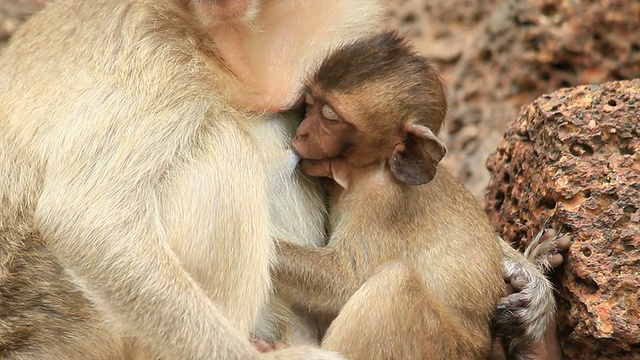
(571, 161)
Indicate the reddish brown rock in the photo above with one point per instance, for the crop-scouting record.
(572, 161)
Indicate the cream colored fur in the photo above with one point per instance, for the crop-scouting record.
(148, 181)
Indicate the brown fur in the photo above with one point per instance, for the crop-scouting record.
(132, 171)
(462, 286)
(436, 297)
(385, 59)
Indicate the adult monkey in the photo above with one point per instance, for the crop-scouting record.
(126, 150)
(129, 168)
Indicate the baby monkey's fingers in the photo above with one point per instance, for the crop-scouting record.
(547, 248)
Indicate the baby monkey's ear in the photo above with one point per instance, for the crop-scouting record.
(415, 161)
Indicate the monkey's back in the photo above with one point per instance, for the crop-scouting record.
(458, 249)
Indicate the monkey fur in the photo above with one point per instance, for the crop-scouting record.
(372, 114)
(134, 167)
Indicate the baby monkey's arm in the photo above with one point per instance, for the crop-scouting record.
(318, 278)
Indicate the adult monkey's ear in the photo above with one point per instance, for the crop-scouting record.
(415, 160)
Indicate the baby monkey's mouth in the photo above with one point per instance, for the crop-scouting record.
(304, 152)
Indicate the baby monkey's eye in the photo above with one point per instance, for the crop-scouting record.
(308, 99)
(328, 113)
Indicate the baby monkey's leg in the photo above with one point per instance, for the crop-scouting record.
(394, 315)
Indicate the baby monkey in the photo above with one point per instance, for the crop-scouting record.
(412, 266)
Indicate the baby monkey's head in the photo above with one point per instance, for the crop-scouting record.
(375, 100)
